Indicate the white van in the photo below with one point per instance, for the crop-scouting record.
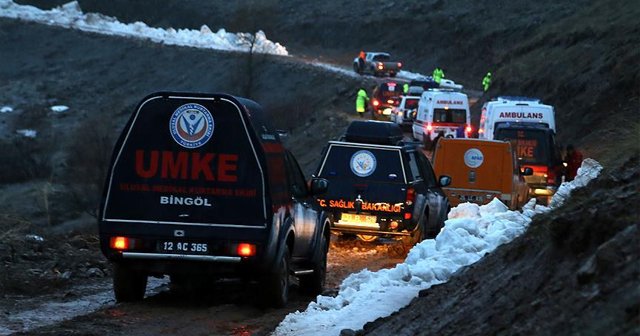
(514, 111)
(443, 111)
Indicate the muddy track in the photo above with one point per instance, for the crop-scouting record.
(225, 308)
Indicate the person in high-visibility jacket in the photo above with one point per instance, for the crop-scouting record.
(361, 102)
(486, 81)
(438, 74)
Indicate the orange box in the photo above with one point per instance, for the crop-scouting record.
(481, 170)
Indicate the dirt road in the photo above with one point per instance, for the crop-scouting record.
(226, 308)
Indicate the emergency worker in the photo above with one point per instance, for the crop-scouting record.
(573, 159)
(486, 81)
(361, 102)
(361, 58)
(434, 143)
(438, 74)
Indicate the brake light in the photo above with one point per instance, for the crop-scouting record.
(390, 101)
(407, 215)
(380, 66)
(120, 243)
(246, 250)
(468, 129)
(429, 128)
(411, 196)
(375, 102)
(551, 176)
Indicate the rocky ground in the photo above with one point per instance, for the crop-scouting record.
(575, 272)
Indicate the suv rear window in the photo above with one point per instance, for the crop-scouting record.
(457, 116)
(372, 164)
(381, 57)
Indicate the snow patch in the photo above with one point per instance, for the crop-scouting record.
(29, 133)
(59, 108)
(6, 109)
(470, 232)
(70, 16)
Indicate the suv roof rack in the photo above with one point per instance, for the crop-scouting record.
(374, 132)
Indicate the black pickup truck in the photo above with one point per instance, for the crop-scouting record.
(381, 186)
(200, 186)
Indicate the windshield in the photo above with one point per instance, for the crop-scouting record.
(532, 146)
(456, 116)
(361, 163)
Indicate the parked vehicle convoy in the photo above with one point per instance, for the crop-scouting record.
(380, 186)
(530, 126)
(384, 98)
(442, 111)
(481, 170)
(405, 112)
(200, 186)
(377, 64)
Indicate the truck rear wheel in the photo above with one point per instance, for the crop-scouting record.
(128, 285)
(314, 283)
(277, 282)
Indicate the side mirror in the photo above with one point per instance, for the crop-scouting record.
(319, 186)
(444, 180)
(526, 171)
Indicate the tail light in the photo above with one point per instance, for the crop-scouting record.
(390, 101)
(399, 65)
(246, 250)
(375, 102)
(551, 176)
(380, 66)
(468, 129)
(411, 196)
(429, 128)
(120, 243)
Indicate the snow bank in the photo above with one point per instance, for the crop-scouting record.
(70, 16)
(471, 232)
(59, 108)
(29, 133)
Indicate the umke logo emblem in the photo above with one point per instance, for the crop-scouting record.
(191, 125)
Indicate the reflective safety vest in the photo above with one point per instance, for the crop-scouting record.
(361, 101)
(486, 81)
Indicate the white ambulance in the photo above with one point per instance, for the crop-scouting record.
(514, 111)
(530, 127)
(442, 111)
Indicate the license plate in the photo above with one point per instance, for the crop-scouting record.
(354, 218)
(183, 247)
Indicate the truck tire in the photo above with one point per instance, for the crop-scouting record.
(313, 284)
(277, 282)
(128, 285)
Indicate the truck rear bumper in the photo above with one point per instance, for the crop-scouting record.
(166, 256)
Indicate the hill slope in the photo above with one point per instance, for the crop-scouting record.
(575, 271)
